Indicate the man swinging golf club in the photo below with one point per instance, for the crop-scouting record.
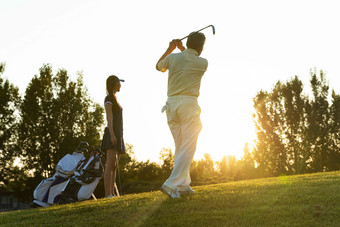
(183, 112)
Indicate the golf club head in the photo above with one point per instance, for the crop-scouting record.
(212, 26)
(82, 147)
(84, 150)
(83, 144)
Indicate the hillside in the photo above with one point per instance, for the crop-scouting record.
(301, 200)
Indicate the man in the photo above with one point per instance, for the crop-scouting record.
(183, 112)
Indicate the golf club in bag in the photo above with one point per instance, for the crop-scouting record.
(213, 30)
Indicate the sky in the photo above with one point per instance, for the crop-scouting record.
(256, 44)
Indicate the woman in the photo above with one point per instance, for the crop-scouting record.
(113, 143)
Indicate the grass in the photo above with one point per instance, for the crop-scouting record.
(301, 200)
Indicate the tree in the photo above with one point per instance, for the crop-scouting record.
(56, 115)
(246, 166)
(227, 167)
(167, 159)
(319, 122)
(269, 150)
(333, 161)
(9, 102)
(203, 171)
(2, 67)
(296, 134)
(280, 122)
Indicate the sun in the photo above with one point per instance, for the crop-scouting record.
(224, 132)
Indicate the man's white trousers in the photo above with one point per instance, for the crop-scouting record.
(183, 114)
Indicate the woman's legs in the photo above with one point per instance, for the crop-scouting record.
(115, 162)
(110, 171)
(110, 153)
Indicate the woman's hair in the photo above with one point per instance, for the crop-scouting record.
(196, 40)
(110, 83)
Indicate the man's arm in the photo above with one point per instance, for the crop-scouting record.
(172, 45)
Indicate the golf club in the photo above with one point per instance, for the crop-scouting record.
(119, 192)
(212, 26)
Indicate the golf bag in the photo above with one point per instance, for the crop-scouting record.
(87, 175)
(48, 192)
(71, 171)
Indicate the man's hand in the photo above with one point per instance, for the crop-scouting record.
(172, 46)
(176, 43)
(179, 44)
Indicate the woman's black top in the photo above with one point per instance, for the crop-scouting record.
(117, 115)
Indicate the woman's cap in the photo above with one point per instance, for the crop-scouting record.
(115, 79)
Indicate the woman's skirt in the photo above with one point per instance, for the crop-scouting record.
(107, 144)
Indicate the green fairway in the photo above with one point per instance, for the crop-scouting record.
(301, 200)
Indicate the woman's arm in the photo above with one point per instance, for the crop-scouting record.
(109, 117)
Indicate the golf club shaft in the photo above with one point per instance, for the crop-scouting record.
(201, 30)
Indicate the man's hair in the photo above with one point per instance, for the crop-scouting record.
(196, 40)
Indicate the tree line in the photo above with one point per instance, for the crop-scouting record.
(295, 134)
